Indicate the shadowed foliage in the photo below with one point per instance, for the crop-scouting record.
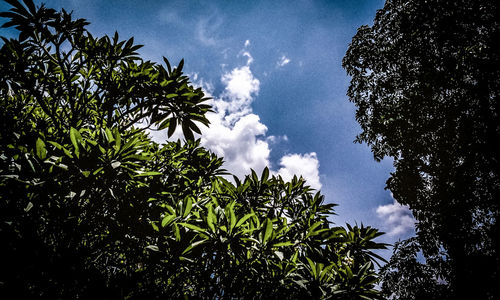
(92, 208)
(425, 81)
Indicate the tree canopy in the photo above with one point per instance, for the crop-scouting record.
(425, 81)
(91, 207)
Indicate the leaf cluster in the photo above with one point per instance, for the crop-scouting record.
(91, 207)
(266, 238)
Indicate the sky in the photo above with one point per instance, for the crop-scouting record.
(274, 71)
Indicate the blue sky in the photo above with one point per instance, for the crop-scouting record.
(274, 71)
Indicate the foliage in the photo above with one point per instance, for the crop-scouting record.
(405, 277)
(91, 207)
(425, 82)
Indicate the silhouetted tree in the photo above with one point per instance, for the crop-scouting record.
(425, 81)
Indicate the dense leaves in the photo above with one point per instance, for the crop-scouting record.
(406, 277)
(92, 208)
(425, 80)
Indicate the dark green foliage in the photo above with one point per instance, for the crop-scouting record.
(407, 278)
(425, 80)
(91, 208)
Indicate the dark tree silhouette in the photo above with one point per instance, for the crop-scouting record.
(425, 81)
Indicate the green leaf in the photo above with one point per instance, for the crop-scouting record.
(283, 244)
(41, 151)
(151, 173)
(181, 65)
(313, 266)
(130, 143)
(177, 232)
(189, 205)
(311, 229)
(167, 220)
(192, 227)
(164, 124)
(190, 247)
(172, 124)
(349, 272)
(188, 133)
(269, 230)
(182, 258)
(109, 135)
(193, 127)
(242, 220)
(232, 217)
(76, 138)
(118, 140)
(169, 68)
(97, 171)
(265, 174)
(211, 218)
(170, 209)
(254, 176)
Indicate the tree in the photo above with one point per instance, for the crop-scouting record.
(91, 207)
(425, 82)
(405, 277)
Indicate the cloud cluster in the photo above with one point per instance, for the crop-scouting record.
(239, 144)
(241, 87)
(238, 135)
(397, 218)
(306, 165)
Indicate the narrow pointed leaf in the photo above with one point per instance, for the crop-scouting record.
(41, 151)
(269, 230)
(242, 220)
(192, 227)
(75, 138)
(153, 248)
(211, 219)
(189, 205)
(167, 220)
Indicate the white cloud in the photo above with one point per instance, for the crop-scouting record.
(306, 165)
(241, 87)
(276, 139)
(283, 61)
(397, 218)
(240, 144)
(249, 57)
(247, 43)
(238, 135)
(241, 84)
(235, 133)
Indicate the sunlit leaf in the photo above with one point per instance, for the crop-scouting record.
(153, 248)
(41, 151)
(268, 230)
(192, 227)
